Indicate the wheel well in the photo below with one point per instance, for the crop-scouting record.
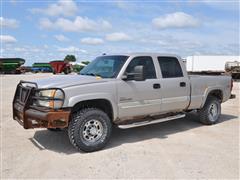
(101, 104)
(216, 93)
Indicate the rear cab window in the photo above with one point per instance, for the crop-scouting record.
(170, 67)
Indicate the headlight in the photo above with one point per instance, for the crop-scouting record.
(51, 98)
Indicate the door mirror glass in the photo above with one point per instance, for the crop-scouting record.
(137, 74)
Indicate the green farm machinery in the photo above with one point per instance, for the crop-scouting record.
(11, 65)
(41, 67)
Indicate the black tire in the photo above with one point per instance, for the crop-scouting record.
(67, 71)
(54, 129)
(211, 111)
(79, 129)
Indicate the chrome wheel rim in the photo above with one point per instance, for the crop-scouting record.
(213, 112)
(92, 131)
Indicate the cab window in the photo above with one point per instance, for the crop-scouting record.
(170, 67)
(146, 62)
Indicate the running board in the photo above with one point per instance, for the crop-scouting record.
(144, 123)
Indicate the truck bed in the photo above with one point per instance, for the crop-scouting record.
(202, 84)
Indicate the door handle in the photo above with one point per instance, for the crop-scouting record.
(182, 84)
(156, 86)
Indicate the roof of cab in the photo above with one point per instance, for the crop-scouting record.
(143, 54)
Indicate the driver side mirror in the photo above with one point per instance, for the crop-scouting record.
(137, 74)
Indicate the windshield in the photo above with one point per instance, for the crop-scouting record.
(105, 66)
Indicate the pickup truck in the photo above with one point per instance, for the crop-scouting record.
(127, 90)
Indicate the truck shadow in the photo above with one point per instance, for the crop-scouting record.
(59, 142)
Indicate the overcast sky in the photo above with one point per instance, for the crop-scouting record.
(48, 30)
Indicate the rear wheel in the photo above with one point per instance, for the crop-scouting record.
(90, 129)
(211, 111)
(67, 71)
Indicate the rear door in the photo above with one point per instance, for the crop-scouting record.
(175, 86)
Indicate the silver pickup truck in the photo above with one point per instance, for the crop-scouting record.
(127, 90)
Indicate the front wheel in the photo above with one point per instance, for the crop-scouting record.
(54, 129)
(90, 129)
(211, 111)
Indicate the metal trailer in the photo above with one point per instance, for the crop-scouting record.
(41, 67)
(61, 66)
(11, 65)
(233, 68)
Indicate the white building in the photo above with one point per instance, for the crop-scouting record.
(207, 63)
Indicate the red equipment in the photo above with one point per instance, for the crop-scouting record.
(61, 66)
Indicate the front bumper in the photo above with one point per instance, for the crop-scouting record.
(33, 117)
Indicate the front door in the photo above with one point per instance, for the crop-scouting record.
(136, 98)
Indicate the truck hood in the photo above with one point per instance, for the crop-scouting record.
(63, 81)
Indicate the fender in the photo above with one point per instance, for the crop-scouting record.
(92, 96)
(208, 91)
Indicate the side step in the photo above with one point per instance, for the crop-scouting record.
(144, 123)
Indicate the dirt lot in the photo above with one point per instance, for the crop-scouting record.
(176, 149)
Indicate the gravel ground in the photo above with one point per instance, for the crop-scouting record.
(180, 148)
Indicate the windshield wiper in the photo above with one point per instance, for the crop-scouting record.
(90, 74)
